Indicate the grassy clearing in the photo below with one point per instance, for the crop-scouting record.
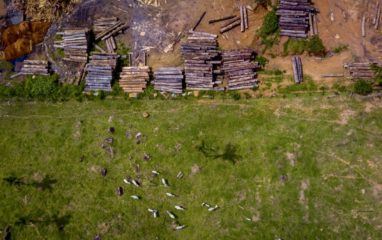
(306, 168)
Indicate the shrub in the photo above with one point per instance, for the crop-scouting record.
(235, 95)
(42, 87)
(315, 46)
(295, 46)
(363, 87)
(270, 24)
(262, 60)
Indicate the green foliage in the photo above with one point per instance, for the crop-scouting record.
(315, 46)
(235, 95)
(269, 31)
(312, 45)
(307, 86)
(340, 48)
(295, 46)
(339, 87)
(362, 87)
(41, 88)
(270, 24)
(262, 60)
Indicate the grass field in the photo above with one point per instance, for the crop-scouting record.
(297, 168)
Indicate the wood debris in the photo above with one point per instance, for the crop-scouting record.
(34, 67)
(296, 18)
(201, 57)
(169, 80)
(75, 44)
(134, 79)
(362, 70)
(100, 72)
(297, 69)
(239, 69)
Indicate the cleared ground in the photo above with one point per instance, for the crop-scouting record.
(298, 168)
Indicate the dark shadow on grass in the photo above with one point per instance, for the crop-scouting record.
(45, 184)
(228, 154)
(60, 221)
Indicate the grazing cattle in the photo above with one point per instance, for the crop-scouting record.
(103, 172)
(170, 194)
(155, 173)
(154, 212)
(248, 219)
(109, 140)
(119, 191)
(111, 130)
(180, 227)
(135, 197)
(127, 181)
(146, 157)
(206, 205)
(180, 208)
(138, 138)
(136, 183)
(98, 237)
(164, 182)
(180, 175)
(211, 209)
(171, 215)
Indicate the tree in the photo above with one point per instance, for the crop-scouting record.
(315, 46)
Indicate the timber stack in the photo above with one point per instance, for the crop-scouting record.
(239, 69)
(75, 44)
(297, 18)
(297, 69)
(34, 67)
(100, 72)
(201, 57)
(362, 70)
(134, 79)
(169, 80)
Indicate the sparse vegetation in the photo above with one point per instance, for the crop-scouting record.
(295, 46)
(340, 48)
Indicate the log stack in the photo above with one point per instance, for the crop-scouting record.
(362, 70)
(34, 67)
(239, 69)
(134, 79)
(296, 18)
(297, 69)
(75, 44)
(201, 57)
(169, 80)
(100, 71)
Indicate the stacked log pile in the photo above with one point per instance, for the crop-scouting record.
(297, 69)
(362, 70)
(239, 69)
(296, 18)
(201, 58)
(169, 80)
(75, 44)
(134, 79)
(100, 71)
(34, 67)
